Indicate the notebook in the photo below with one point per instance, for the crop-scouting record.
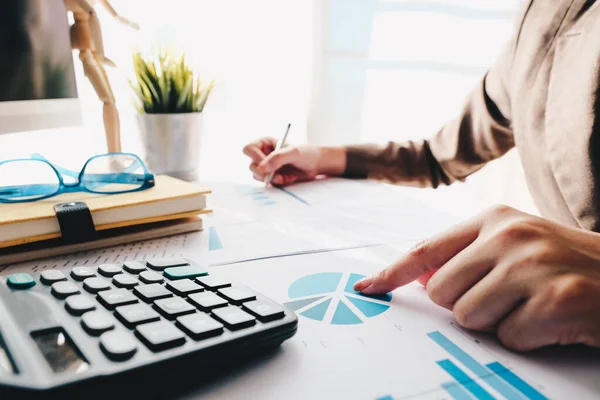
(170, 199)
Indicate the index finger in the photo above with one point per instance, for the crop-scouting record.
(259, 149)
(425, 258)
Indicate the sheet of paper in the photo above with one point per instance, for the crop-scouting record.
(353, 347)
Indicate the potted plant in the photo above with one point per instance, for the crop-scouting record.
(170, 100)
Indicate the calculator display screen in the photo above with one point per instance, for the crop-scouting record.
(59, 351)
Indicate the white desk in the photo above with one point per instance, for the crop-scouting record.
(366, 349)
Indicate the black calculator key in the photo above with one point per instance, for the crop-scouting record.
(95, 285)
(161, 263)
(125, 280)
(207, 300)
(173, 307)
(151, 277)
(135, 314)
(237, 294)
(79, 304)
(200, 325)
(152, 292)
(264, 310)
(110, 270)
(234, 317)
(213, 282)
(117, 297)
(183, 287)
(49, 277)
(160, 335)
(117, 345)
(97, 322)
(134, 267)
(81, 273)
(64, 289)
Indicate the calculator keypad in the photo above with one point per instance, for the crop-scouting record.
(160, 303)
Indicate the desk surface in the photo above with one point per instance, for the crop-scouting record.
(305, 247)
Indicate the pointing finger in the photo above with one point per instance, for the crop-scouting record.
(424, 258)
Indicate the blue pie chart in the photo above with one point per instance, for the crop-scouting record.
(329, 297)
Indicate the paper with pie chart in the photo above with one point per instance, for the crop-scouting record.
(329, 297)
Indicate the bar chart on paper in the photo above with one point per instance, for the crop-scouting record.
(469, 379)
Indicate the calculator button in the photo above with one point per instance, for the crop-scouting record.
(237, 294)
(207, 300)
(174, 307)
(79, 304)
(213, 282)
(136, 314)
(134, 267)
(264, 310)
(200, 325)
(125, 281)
(49, 277)
(161, 263)
(95, 285)
(20, 281)
(234, 317)
(109, 270)
(115, 298)
(183, 287)
(97, 322)
(151, 277)
(152, 292)
(81, 273)
(160, 335)
(117, 345)
(190, 271)
(64, 289)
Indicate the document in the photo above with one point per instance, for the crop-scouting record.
(401, 346)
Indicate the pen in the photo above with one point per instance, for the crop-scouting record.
(279, 145)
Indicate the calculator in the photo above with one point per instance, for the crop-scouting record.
(111, 325)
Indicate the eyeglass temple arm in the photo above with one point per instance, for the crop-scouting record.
(28, 190)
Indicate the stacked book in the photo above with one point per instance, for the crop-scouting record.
(31, 230)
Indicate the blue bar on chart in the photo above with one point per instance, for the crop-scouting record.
(214, 242)
(456, 391)
(388, 397)
(482, 372)
(465, 380)
(516, 382)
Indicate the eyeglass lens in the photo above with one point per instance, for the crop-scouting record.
(27, 180)
(113, 173)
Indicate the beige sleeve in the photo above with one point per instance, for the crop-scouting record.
(482, 132)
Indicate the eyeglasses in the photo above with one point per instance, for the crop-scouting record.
(31, 179)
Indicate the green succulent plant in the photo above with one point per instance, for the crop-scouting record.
(165, 84)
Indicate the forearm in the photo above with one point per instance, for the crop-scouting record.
(332, 161)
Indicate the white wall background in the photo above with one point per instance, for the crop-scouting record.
(339, 70)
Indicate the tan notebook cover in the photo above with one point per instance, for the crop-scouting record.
(170, 199)
(112, 237)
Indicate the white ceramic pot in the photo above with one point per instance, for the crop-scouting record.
(172, 143)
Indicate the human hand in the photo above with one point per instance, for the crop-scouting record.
(533, 281)
(293, 163)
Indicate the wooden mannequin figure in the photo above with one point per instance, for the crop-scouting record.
(86, 36)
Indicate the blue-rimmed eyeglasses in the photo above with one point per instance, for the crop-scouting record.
(35, 178)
